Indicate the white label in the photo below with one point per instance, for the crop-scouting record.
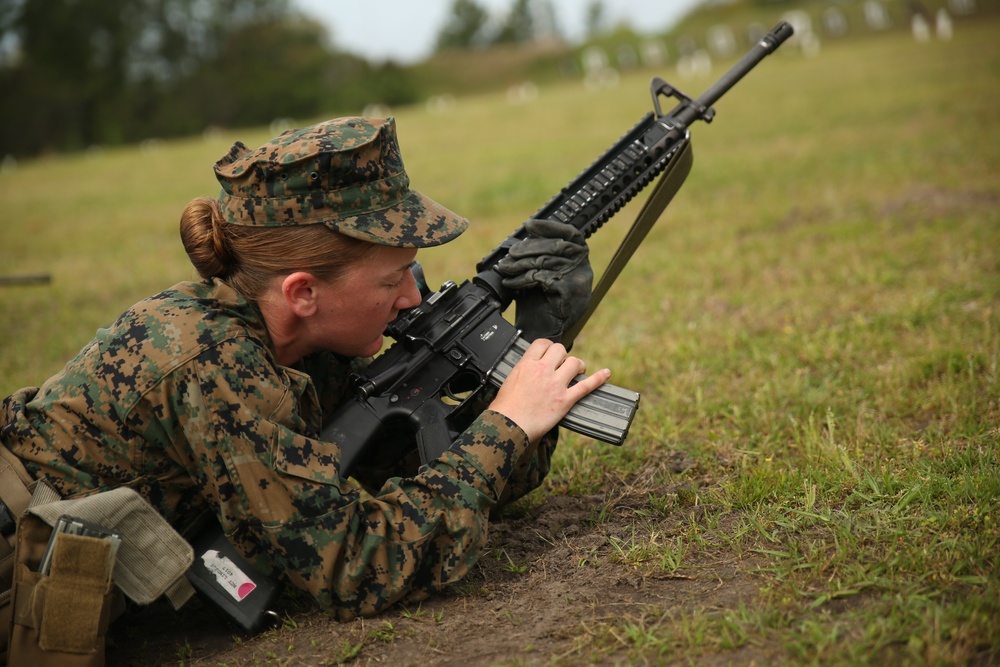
(230, 577)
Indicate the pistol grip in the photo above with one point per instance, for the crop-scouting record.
(430, 423)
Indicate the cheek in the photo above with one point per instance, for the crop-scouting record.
(375, 311)
(378, 306)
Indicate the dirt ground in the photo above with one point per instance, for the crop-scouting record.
(535, 598)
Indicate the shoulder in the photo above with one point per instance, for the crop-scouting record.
(188, 322)
(184, 318)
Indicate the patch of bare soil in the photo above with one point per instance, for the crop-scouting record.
(540, 596)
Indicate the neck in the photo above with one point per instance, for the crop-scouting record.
(285, 331)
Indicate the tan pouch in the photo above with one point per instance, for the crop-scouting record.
(60, 618)
(6, 591)
(14, 484)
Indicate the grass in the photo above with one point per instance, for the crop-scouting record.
(814, 324)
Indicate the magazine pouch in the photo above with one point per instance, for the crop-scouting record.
(62, 597)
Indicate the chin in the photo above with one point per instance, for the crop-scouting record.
(358, 349)
(374, 348)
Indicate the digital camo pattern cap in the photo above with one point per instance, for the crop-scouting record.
(345, 173)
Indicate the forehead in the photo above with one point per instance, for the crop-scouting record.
(387, 259)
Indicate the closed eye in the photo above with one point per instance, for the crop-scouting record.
(403, 274)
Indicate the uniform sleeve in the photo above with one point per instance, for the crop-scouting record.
(252, 450)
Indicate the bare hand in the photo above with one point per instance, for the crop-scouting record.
(537, 393)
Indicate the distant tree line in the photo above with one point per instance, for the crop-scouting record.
(77, 73)
(471, 26)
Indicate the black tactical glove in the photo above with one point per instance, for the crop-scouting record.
(550, 273)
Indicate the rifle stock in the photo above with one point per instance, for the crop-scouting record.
(456, 342)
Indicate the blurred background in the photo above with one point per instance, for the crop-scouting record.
(82, 74)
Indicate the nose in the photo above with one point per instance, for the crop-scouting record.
(410, 296)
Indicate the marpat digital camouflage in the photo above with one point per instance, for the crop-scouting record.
(345, 173)
(182, 399)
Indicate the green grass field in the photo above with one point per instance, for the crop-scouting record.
(815, 322)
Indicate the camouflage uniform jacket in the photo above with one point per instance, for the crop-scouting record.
(182, 399)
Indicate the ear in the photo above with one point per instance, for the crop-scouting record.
(300, 292)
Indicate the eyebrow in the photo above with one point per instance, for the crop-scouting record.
(401, 269)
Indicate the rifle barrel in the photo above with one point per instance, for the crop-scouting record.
(687, 114)
(625, 168)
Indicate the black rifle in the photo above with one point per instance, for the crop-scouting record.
(457, 342)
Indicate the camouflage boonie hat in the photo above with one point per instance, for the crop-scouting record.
(345, 173)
